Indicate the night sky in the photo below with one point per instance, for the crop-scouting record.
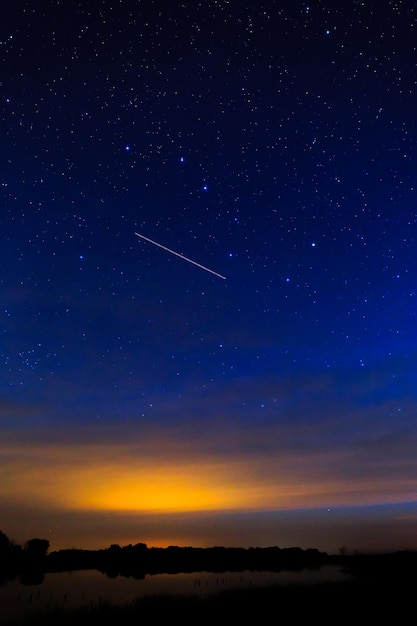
(264, 393)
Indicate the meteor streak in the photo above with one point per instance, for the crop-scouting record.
(155, 243)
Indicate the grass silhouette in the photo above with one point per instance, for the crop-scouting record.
(329, 603)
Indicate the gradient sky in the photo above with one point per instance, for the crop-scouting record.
(146, 399)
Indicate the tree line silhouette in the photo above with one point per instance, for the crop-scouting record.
(138, 560)
(33, 560)
(28, 561)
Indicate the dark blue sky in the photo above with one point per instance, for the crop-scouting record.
(273, 143)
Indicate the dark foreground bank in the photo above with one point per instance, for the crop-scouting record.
(356, 601)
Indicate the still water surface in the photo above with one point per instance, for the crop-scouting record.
(89, 587)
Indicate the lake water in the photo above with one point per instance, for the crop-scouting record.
(89, 587)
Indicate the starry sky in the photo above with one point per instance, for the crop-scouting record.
(262, 389)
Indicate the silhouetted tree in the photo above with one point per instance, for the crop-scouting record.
(36, 548)
(5, 543)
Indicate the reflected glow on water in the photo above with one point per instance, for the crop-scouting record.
(73, 589)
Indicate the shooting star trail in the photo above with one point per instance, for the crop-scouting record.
(155, 243)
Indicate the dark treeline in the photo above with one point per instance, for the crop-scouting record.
(139, 560)
(28, 561)
(31, 561)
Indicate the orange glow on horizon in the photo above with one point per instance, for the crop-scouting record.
(170, 489)
(128, 479)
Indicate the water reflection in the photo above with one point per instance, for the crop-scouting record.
(77, 588)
